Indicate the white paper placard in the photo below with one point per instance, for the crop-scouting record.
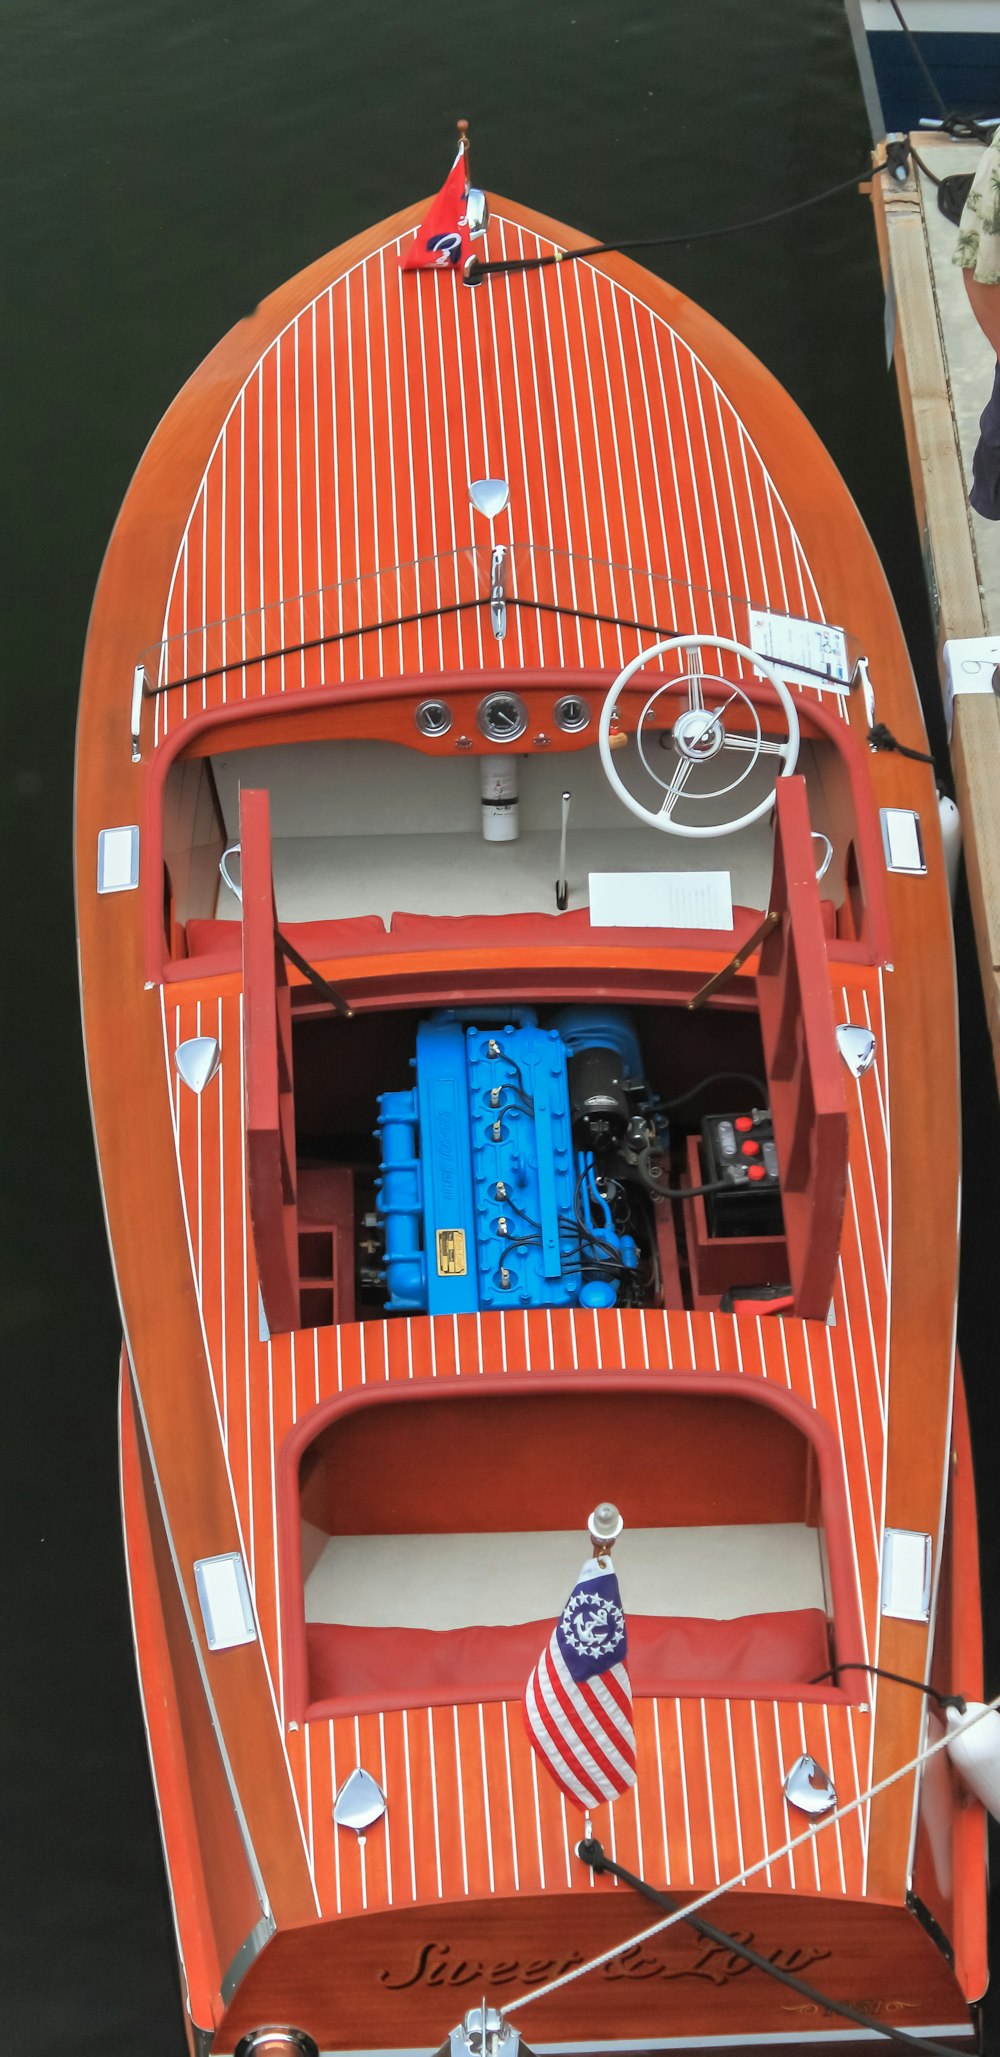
(800, 649)
(661, 900)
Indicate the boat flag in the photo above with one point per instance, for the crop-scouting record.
(578, 1700)
(442, 241)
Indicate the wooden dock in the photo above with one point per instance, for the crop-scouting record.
(945, 370)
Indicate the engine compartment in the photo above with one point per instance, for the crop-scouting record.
(516, 1171)
(499, 1156)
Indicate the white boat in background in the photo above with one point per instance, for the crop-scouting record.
(959, 43)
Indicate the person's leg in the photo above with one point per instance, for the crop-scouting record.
(985, 494)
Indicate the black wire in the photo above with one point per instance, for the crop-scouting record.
(475, 271)
(681, 1099)
(592, 1853)
(899, 1678)
(594, 1238)
(687, 1192)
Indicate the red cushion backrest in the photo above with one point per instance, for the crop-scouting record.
(423, 1667)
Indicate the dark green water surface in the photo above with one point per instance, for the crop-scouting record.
(165, 166)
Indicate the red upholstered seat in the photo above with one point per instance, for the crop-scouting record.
(419, 1667)
(524, 931)
(218, 945)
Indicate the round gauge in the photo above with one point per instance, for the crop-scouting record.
(571, 713)
(502, 717)
(433, 718)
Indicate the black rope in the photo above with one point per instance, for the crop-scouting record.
(919, 55)
(898, 1678)
(475, 271)
(592, 1853)
(882, 738)
(246, 662)
(964, 127)
(524, 600)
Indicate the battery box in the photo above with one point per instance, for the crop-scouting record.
(738, 1154)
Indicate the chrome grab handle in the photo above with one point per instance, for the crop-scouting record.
(231, 850)
(827, 858)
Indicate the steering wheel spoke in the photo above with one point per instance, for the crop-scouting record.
(700, 700)
(696, 688)
(754, 746)
(676, 787)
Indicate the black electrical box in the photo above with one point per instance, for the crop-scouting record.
(738, 1154)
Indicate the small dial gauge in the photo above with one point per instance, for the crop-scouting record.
(571, 714)
(502, 717)
(433, 717)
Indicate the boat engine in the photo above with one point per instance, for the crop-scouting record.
(518, 1169)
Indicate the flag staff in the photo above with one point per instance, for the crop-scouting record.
(463, 144)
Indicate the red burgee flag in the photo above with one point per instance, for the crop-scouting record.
(443, 240)
(578, 1700)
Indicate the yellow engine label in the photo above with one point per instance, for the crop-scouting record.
(451, 1253)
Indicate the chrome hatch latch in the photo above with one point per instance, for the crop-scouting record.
(498, 592)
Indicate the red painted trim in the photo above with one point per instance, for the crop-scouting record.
(833, 1499)
(257, 713)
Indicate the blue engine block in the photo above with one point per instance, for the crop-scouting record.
(483, 1200)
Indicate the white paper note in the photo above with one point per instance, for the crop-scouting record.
(661, 899)
(800, 649)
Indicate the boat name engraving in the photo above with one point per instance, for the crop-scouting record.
(436, 1966)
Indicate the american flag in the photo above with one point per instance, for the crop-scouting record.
(578, 1700)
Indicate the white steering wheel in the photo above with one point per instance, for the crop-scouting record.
(698, 735)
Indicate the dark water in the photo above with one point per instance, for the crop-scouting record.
(167, 163)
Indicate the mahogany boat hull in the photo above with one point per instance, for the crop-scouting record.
(471, 1881)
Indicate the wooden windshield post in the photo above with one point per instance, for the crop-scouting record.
(804, 1071)
(267, 1052)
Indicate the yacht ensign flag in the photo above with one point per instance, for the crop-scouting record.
(578, 1700)
(443, 239)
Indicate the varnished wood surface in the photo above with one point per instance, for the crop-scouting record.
(215, 1401)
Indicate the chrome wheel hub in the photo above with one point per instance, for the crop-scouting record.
(698, 735)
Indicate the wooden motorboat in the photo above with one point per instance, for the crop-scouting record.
(520, 1022)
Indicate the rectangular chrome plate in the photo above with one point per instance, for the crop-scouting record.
(225, 1601)
(902, 841)
(117, 860)
(906, 1574)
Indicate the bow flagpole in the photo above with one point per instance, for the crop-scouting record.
(578, 1699)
